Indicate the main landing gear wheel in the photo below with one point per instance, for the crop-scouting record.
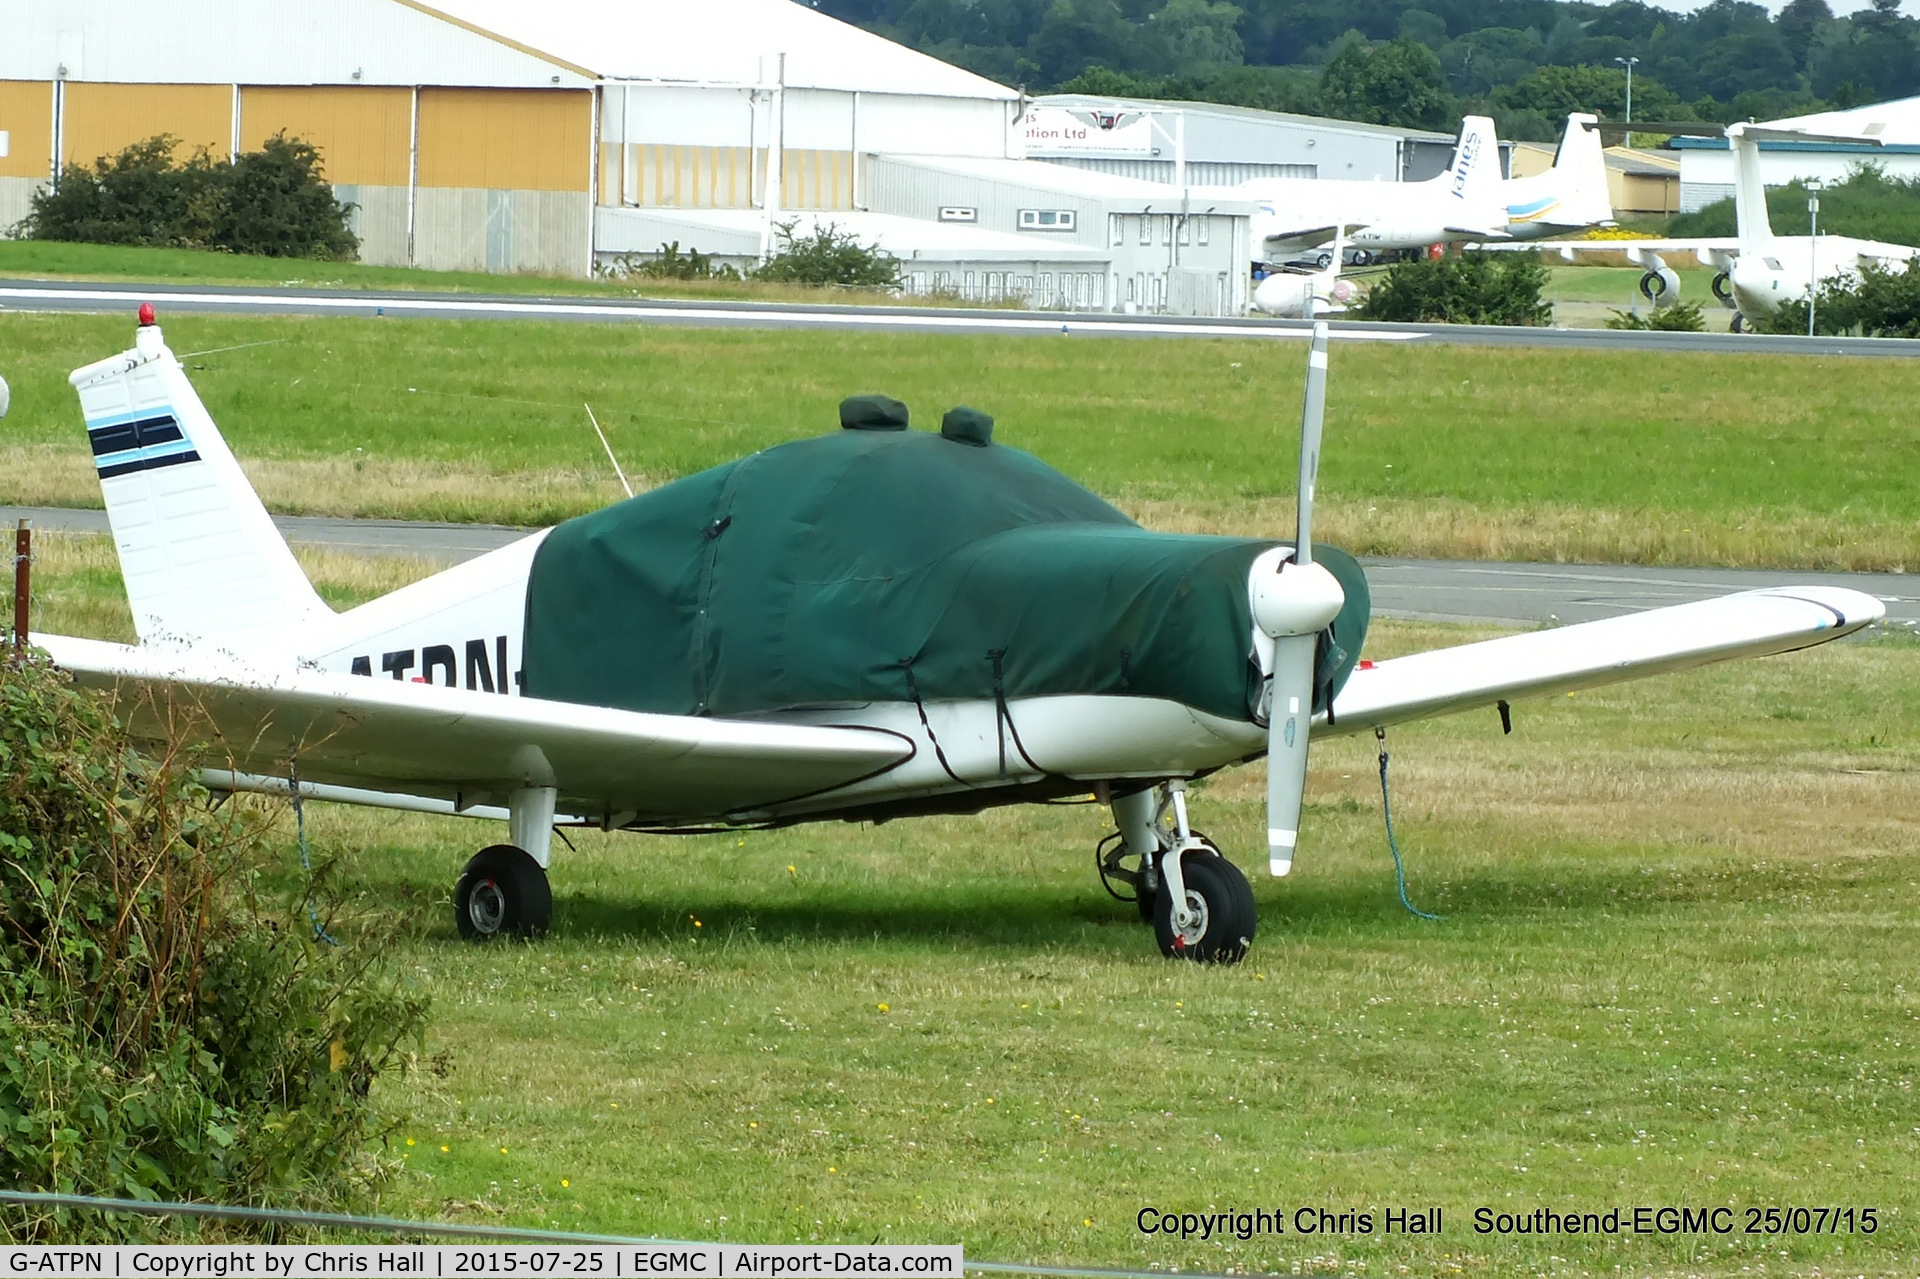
(502, 892)
(1223, 912)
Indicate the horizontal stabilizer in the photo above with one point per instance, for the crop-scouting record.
(1540, 663)
(433, 742)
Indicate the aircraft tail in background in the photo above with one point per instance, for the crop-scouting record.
(1476, 204)
(202, 560)
(1570, 195)
(1749, 194)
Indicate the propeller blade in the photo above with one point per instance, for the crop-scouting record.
(1291, 710)
(1311, 417)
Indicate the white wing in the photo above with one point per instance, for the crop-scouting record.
(423, 740)
(1750, 624)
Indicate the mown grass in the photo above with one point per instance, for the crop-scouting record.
(1676, 967)
(55, 260)
(1450, 452)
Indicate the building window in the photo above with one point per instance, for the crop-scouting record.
(1203, 231)
(1117, 228)
(1186, 230)
(1046, 219)
(1166, 229)
(959, 213)
(1146, 229)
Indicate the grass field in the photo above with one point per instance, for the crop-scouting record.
(1676, 968)
(53, 260)
(1469, 453)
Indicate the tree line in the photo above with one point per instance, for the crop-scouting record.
(1425, 63)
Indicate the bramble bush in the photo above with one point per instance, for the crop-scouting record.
(829, 255)
(1882, 303)
(273, 201)
(1461, 288)
(1681, 317)
(169, 1027)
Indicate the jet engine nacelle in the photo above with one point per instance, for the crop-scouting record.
(1301, 297)
(1660, 286)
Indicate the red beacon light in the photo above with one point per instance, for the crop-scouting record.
(146, 315)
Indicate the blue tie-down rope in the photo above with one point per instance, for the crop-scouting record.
(1386, 811)
(306, 863)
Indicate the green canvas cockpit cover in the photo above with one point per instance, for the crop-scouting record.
(888, 565)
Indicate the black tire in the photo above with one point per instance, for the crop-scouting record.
(1723, 289)
(502, 893)
(1652, 287)
(1224, 899)
(1323, 260)
(1739, 323)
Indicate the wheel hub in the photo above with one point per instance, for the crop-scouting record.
(1196, 927)
(487, 907)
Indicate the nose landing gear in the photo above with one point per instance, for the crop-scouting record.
(1200, 905)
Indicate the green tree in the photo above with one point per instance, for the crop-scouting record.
(1200, 35)
(1557, 91)
(1799, 23)
(1461, 288)
(1077, 34)
(1395, 83)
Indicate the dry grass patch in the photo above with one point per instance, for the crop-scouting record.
(78, 590)
(1448, 529)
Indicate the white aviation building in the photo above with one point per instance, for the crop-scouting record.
(561, 137)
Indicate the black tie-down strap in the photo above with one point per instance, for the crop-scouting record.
(913, 691)
(1003, 715)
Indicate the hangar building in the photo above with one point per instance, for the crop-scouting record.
(483, 134)
(1889, 134)
(1224, 146)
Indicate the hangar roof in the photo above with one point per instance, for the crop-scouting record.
(1897, 121)
(464, 43)
(716, 41)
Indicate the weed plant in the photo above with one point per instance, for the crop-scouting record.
(169, 1027)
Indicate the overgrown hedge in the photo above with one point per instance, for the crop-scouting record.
(273, 201)
(169, 1028)
(1883, 303)
(1461, 288)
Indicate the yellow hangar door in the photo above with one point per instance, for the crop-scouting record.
(26, 144)
(105, 119)
(505, 180)
(365, 140)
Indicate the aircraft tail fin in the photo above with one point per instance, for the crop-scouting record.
(1473, 183)
(201, 558)
(1580, 169)
(1749, 193)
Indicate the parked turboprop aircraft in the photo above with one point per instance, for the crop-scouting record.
(1307, 295)
(1570, 196)
(869, 624)
(1465, 202)
(1758, 270)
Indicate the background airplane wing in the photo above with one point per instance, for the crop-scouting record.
(421, 740)
(1750, 624)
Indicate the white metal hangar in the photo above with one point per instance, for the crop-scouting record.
(1221, 146)
(483, 134)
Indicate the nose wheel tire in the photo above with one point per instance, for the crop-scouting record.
(1223, 912)
(502, 893)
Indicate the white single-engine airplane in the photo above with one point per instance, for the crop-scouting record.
(873, 623)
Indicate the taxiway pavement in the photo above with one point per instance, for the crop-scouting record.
(51, 295)
(1435, 590)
